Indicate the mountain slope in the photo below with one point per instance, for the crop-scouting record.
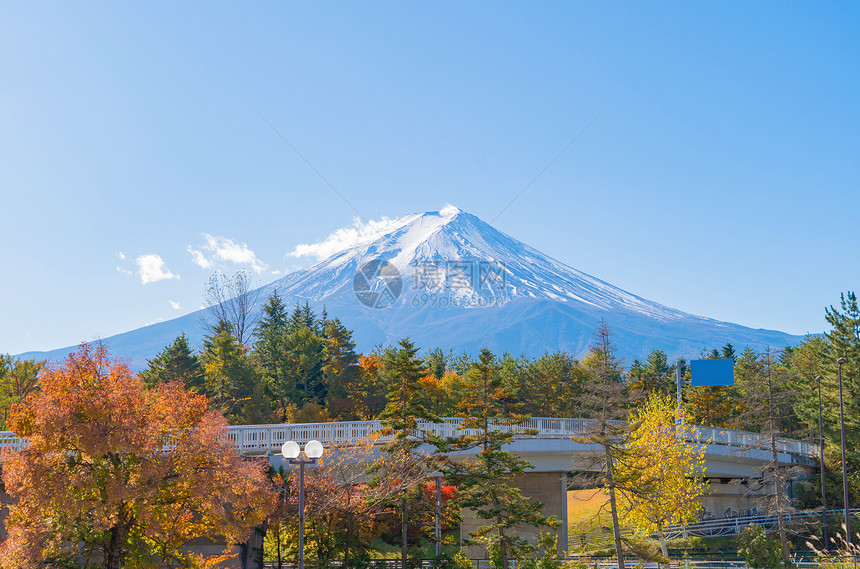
(449, 280)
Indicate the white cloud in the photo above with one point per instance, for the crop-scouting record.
(346, 237)
(223, 249)
(151, 269)
(124, 271)
(121, 255)
(199, 259)
(449, 210)
(174, 304)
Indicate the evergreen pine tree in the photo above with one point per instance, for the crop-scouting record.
(230, 377)
(270, 353)
(655, 375)
(176, 363)
(341, 372)
(491, 420)
(305, 359)
(405, 409)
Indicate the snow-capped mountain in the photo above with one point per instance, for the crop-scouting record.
(447, 279)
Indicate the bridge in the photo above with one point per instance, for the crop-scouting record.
(256, 440)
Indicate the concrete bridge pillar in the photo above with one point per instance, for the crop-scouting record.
(547, 487)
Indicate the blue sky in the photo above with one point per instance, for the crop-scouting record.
(720, 176)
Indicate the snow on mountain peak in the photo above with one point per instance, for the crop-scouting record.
(456, 255)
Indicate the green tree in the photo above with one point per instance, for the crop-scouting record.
(305, 360)
(271, 355)
(176, 363)
(759, 550)
(341, 372)
(18, 379)
(303, 316)
(655, 375)
(843, 341)
(484, 480)
(230, 376)
(551, 385)
(406, 407)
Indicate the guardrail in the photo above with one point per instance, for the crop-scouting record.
(267, 439)
(729, 526)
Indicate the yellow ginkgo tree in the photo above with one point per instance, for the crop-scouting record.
(659, 474)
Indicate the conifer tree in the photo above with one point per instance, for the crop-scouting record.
(303, 316)
(305, 359)
(843, 341)
(340, 370)
(401, 416)
(551, 385)
(491, 420)
(655, 375)
(606, 402)
(270, 353)
(176, 363)
(230, 377)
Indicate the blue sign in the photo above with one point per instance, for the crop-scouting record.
(712, 372)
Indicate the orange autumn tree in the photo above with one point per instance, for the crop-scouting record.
(116, 475)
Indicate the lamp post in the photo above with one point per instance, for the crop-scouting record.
(841, 361)
(438, 477)
(291, 451)
(821, 456)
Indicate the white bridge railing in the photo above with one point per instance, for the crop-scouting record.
(259, 439)
(267, 439)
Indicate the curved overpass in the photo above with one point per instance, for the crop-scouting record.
(728, 452)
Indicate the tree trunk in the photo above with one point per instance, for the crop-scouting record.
(616, 528)
(662, 537)
(114, 554)
(278, 540)
(346, 545)
(503, 543)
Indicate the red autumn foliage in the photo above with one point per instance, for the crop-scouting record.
(122, 473)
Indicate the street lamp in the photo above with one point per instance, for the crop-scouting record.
(841, 361)
(291, 451)
(438, 477)
(821, 456)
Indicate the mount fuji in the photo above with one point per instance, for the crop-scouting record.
(449, 280)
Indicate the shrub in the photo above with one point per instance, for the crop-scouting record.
(760, 551)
